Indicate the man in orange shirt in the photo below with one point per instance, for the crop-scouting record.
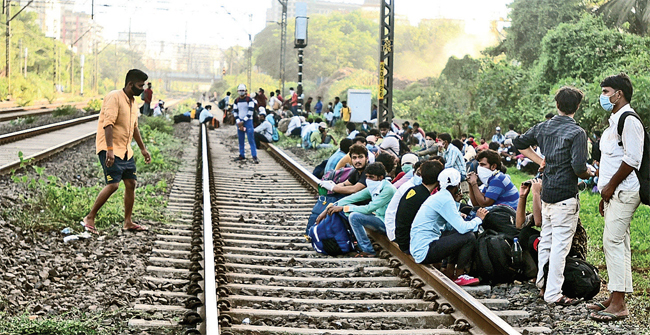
(117, 127)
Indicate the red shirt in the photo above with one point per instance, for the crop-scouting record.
(148, 95)
(294, 99)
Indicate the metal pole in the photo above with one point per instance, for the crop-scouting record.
(25, 62)
(299, 92)
(386, 38)
(250, 64)
(7, 46)
(81, 80)
(283, 43)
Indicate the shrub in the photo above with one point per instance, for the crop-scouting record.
(64, 110)
(94, 105)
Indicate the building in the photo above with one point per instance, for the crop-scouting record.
(317, 7)
(78, 27)
(48, 16)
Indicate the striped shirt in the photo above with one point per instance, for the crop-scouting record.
(564, 145)
(501, 189)
(455, 160)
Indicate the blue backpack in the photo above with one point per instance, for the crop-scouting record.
(306, 141)
(331, 236)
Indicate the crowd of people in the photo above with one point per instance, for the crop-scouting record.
(410, 184)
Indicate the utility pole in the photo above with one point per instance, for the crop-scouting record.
(283, 42)
(300, 43)
(7, 9)
(25, 62)
(386, 38)
(81, 80)
(250, 57)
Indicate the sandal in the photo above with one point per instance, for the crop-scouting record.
(597, 307)
(566, 301)
(603, 316)
(91, 229)
(137, 227)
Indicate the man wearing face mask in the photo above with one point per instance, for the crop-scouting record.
(411, 196)
(619, 188)
(379, 191)
(408, 162)
(498, 190)
(242, 109)
(452, 155)
(430, 146)
(116, 128)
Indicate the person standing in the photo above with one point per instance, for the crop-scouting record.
(319, 106)
(274, 103)
(346, 113)
(294, 101)
(511, 134)
(308, 105)
(116, 128)
(261, 100)
(242, 110)
(619, 188)
(564, 146)
(337, 109)
(329, 115)
(498, 137)
(148, 97)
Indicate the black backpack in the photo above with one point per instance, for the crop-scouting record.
(403, 147)
(493, 260)
(643, 173)
(222, 104)
(502, 219)
(581, 279)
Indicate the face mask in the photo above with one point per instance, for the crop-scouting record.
(483, 174)
(373, 185)
(417, 180)
(136, 91)
(430, 143)
(606, 103)
(407, 167)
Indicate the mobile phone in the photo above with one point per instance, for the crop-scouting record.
(528, 182)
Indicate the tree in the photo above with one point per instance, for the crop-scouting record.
(531, 20)
(632, 14)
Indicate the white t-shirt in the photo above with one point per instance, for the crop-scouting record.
(391, 210)
(390, 143)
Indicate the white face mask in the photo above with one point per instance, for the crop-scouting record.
(373, 185)
(484, 174)
(417, 180)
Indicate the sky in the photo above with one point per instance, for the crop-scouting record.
(227, 23)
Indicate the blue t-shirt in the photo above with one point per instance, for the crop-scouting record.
(333, 160)
(501, 189)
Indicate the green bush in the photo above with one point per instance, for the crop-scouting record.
(64, 110)
(94, 105)
(160, 124)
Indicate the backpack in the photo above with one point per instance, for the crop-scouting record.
(331, 236)
(276, 105)
(181, 118)
(581, 279)
(493, 259)
(222, 104)
(306, 140)
(275, 136)
(403, 147)
(502, 219)
(340, 175)
(321, 204)
(320, 169)
(643, 173)
(142, 95)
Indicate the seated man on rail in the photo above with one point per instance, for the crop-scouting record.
(344, 148)
(357, 180)
(379, 191)
(264, 131)
(412, 195)
(438, 230)
(346, 160)
(295, 126)
(498, 189)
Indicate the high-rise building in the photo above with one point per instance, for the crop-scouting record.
(78, 27)
(316, 7)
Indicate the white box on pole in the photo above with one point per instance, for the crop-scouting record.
(360, 103)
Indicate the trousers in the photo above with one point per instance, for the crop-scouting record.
(358, 221)
(249, 132)
(616, 239)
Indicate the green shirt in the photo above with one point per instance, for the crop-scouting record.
(377, 205)
(315, 138)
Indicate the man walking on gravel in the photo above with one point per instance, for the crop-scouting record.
(117, 127)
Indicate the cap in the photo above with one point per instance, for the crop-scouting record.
(322, 125)
(498, 128)
(409, 158)
(508, 141)
(448, 177)
(262, 111)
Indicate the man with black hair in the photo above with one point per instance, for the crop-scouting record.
(412, 195)
(619, 188)
(430, 146)
(379, 191)
(389, 161)
(347, 158)
(390, 144)
(337, 109)
(564, 146)
(452, 155)
(116, 128)
(511, 134)
(357, 181)
(549, 116)
(351, 130)
(344, 147)
(498, 190)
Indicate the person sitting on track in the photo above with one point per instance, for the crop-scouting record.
(264, 131)
(408, 161)
(498, 188)
(391, 211)
(379, 191)
(390, 163)
(438, 230)
(206, 115)
(295, 126)
(334, 159)
(357, 180)
(346, 160)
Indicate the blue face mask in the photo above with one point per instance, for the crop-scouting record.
(373, 185)
(606, 103)
(407, 167)
(417, 180)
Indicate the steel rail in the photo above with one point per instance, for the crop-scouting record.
(210, 325)
(476, 313)
(19, 135)
(35, 111)
(33, 107)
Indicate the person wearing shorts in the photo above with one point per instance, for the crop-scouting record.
(116, 128)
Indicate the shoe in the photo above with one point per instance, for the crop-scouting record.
(255, 160)
(240, 159)
(466, 280)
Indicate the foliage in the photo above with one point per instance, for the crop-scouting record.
(64, 110)
(94, 105)
(531, 20)
(159, 124)
(633, 15)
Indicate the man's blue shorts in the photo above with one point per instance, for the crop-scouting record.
(121, 169)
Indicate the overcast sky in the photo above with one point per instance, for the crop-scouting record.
(208, 21)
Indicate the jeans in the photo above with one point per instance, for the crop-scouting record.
(358, 221)
(616, 239)
(459, 248)
(260, 138)
(559, 222)
(249, 132)
(324, 146)
(146, 109)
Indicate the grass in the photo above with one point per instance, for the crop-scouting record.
(315, 157)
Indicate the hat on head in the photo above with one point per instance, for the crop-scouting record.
(409, 158)
(262, 111)
(322, 125)
(508, 141)
(448, 177)
(498, 128)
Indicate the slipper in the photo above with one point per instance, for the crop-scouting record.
(91, 229)
(364, 255)
(603, 316)
(597, 307)
(566, 301)
(137, 227)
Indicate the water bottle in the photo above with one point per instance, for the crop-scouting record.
(70, 238)
(516, 253)
(67, 231)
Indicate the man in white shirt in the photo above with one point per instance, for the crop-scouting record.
(295, 125)
(619, 188)
(390, 143)
(264, 131)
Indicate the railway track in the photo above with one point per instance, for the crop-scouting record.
(44, 141)
(265, 279)
(7, 114)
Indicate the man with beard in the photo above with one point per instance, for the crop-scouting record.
(357, 180)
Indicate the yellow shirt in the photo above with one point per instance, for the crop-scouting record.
(122, 113)
(345, 114)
